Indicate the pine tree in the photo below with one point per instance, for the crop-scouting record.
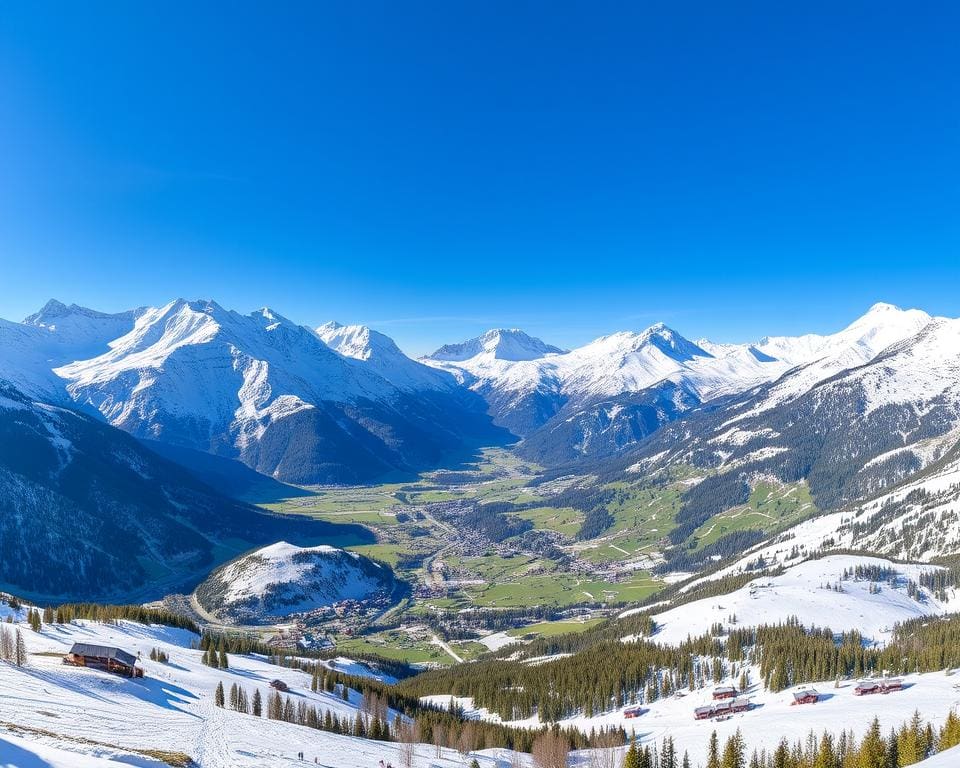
(873, 749)
(218, 698)
(632, 758)
(257, 703)
(733, 752)
(826, 755)
(223, 662)
(274, 706)
(713, 751)
(19, 649)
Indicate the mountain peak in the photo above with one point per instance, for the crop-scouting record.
(510, 344)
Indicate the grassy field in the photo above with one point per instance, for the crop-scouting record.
(395, 644)
(771, 506)
(565, 520)
(553, 628)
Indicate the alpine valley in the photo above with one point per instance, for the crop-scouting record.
(645, 551)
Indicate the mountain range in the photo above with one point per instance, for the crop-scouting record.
(344, 404)
(126, 425)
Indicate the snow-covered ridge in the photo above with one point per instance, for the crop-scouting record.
(631, 362)
(510, 344)
(283, 579)
(382, 355)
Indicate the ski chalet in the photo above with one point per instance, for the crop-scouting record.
(868, 687)
(723, 709)
(105, 657)
(809, 696)
(724, 692)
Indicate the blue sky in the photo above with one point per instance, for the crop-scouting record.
(436, 168)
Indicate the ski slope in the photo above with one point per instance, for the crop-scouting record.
(93, 718)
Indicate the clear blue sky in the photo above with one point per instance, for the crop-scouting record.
(434, 169)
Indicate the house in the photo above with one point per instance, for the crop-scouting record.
(279, 685)
(104, 657)
(867, 687)
(741, 704)
(703, 713)
(724, 692)
(893, 684)
(809, 696)
(633, 712)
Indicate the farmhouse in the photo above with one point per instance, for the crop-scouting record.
(867, 687)
(633, 712)
(809, 696)
(104, 657)
(724, 692)
(703, 713)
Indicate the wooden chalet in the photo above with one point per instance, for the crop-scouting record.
(723, 709)
(724, 692)
(279, 685)
(867, 687)
(809, 696)
(633, 712)
(105, 657)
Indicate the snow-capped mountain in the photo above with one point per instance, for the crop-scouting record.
(382, 355)
(55, 335)
(600, 398)
(509, 344)
(88, 512)
(851, 435)
(282, 579)
(272, 393)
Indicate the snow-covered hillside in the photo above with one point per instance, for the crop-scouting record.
(283, 579)
(67, 717)
(772, 716)
(817, 594)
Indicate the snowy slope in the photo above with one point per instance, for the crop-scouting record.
(283, 579)
(382, 355)
(772, 717)
(55, 335)
(802, 591)
(171, 708)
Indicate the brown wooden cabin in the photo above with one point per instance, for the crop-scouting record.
(806, 697)
(724, 692)
(103, 657)
(703, 713)
(633, 712)
(279, 685)
(866, 687)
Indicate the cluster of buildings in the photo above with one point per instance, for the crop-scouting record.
(868, 687)
(729, 702)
